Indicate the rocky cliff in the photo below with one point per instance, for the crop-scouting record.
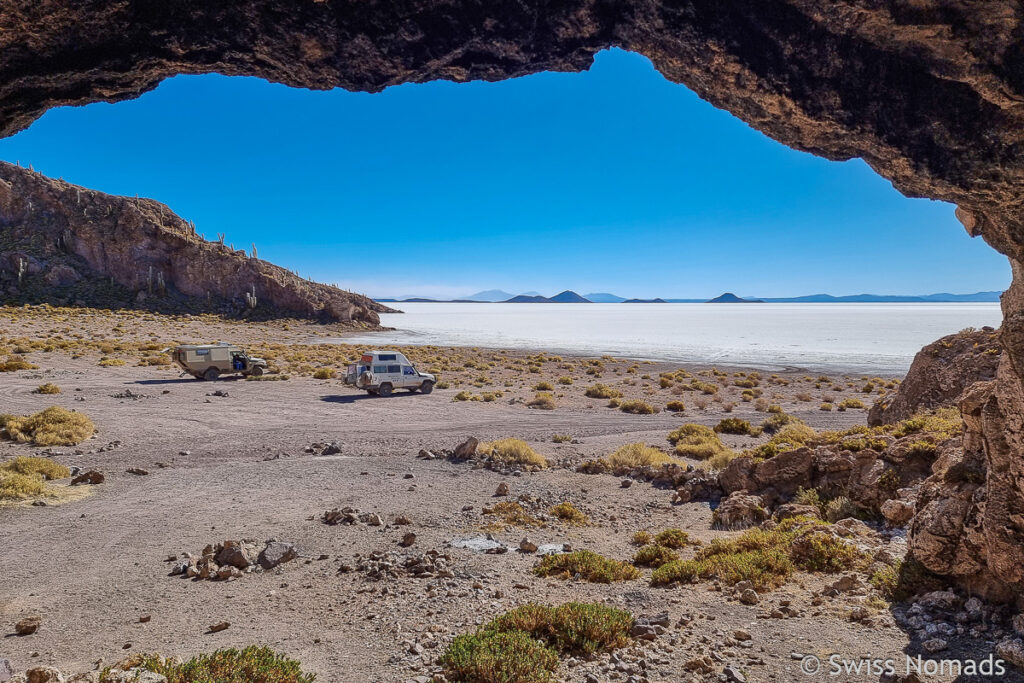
(940, 373)
(63, 243)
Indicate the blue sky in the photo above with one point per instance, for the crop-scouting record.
(612, 180)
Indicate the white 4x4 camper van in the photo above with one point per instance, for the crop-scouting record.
(381, 372)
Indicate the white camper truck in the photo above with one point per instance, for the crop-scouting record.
(381, 372)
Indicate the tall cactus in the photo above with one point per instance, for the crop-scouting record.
(250, 298)
(22, 267)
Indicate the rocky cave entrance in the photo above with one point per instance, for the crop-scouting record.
(930, 94)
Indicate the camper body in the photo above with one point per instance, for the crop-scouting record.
(381, 372)
(210, 361)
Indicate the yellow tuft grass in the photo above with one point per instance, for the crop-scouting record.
(512, 452)
(54, 426)
(638, 455)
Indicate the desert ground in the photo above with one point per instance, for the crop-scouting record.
(236, 459)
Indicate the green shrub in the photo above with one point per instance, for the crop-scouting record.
(499, 657)
(567, 512)
(675, 406)
(253, 664)
(766, 558)
(543, 386)
(672, 538)
(847, 403)
(642, 538)
(777, 421)
(733, 425)
(324, 373)
(462, 396)
(654, 556)
(565, 380)
(588, 565)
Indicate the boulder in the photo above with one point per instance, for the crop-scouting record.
(1012, 652)
(238, 554)
(44, 674)
(91, 477)
(739, 511)
(28, 625)
(466, 449)
(939, 375)
(897, 512)
(789, 510)
(276, 553)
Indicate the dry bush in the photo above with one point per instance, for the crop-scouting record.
(48, 388)
(511, 452)
(54, 426)
(542, 401)
(638, 455)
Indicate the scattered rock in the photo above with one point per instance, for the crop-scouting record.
(749, 596)
(502, 489)
(137, 470)
(934, 645)
(739, 511)
(527, 546)
(90, 477)
(334, 448)
(408, 539)
(1012, 651)
(276, 553)
(466, 449)
(218, 627)
(402, 520)
(28, 625)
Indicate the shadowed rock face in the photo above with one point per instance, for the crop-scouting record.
(929, 92)
(44, 222)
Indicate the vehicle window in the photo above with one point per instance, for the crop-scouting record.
(380, 369)
(407, 370)
(394, 369)
(202, 352)
(387, 356)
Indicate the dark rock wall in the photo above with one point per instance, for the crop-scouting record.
(135, 241)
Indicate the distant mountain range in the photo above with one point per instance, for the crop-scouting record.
(571, 297)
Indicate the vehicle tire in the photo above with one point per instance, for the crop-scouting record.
(385, 389)
(427, 387)
(256, 371)
(211, 374)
